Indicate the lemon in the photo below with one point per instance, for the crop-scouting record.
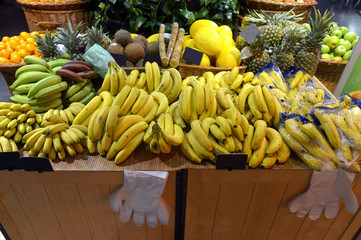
(225, 30)
(153, 38)
(208, 41)
(196, 25)
(227, 41)
(229, 57)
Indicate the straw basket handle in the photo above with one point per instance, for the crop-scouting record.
(48, 25)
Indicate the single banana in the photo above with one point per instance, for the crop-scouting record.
(154, 145)
(278, 81)
(122, 96)
(125, 123)
(129, 148)
(242, 97)
(253, 106)
(200, 135)
(106, 82)
(229, 144)
(310, 160)
(177, 82)
(87, 110)
(128, 103)
(217, 132)
(184, 104)
(296, 79)
(142, 81)
(91, 146)
(147, 107)
(48, 91)
(293, 143)
(132, 77)
(114, 82)
(206, 124)
(152, 113)
(150, 77)
(56, 128)
(199, 94)
(198, 147)
(268, 161)
(162, 101)
(293, 128)
(5, 144)
(258, 154)
(209, 76)
(100, 121)
(260, 130)
(237, 82)
(275, 141)
(188, 151)
(283, 154)
(221, 97)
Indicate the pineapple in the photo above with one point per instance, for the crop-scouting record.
(283, 53)
(97, 36)
(72, 40)
(260, 57)
(47, 46)
(309, 55)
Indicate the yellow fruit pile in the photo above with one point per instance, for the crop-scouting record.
(216, 42)
(14, 49)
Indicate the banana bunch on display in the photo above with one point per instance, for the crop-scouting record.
(67, 115)
(163, 133)
(57, 141)
(76, 71)
(36, 84)
(113, 136)
(105, 99)
(258, 102)
(81, 92)
(114, 80)
(271, 78)
(197, 101)
(17, 120)
(7, 145)
(296, 79)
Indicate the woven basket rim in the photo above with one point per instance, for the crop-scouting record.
(53, 4)
(313, 2)
(209, 68)
(330, 61)
(11, 65)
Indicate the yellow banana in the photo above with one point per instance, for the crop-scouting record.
(253, 106)
(14, 147)
(275, 141)
(114, 82)
(198, 147)
(5, 144)
(122, 95)
(268, 161)
(217, 148)
(162, 102)
(132, 77)
(142, 81)
(107, 98)
(39, 143)
(147, 107)
(284, 153)
(278, 81)
(177, 82)
(258, 154)
(87, 110)
(237, 82)
(200, 135)
(293, 143)
(100, 121)
(296, 79)
(217, 132)
(260, 130)
(141, 99)
(56, 128)
(229, 144)
(206, 124)
(185, 104)
(125, 123)
(129, 148)
(199, 94)
(150, 77)
(188, 151)
(221, 97)
(293, 128)
(128, 103)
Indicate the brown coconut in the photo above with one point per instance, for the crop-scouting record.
(138, 41)
(115, 48)
(152, 47)
(123, 37)
(139, 63)
(134, 51)
(129, 64)
(141, 38)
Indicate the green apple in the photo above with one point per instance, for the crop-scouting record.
(337, 33)
(331, 56)
(344, 30)
(333, 42)
(350, 36)
(338, 58)
(342, 41)
(354, 42)
(326, 56)
(325, 48)
(347, 55)
(340, 50)
(325, 39)
(347, 45)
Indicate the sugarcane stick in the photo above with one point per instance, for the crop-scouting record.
(174, 61)
(162, 54)
(172, 40)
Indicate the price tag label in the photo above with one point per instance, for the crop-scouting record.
(193, 56)
(39, 164)
(120, 59)
(250, 33)
(231, 161)
(149, 57)
(10, 161)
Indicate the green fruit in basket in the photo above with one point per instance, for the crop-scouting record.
(337, 33)
(350, 36)
(325, 49)
(333, 42)
(353, 43)
(326, 56)
(347, 45)
(347, 55)
(344, 30)
(340, 50)
(338, 58)
(325, 39)
(342, 41)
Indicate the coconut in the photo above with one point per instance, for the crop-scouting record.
(152, 47)
(139, 63)
(141, 38)
(115, 48)
(123, 37)
(134, 51)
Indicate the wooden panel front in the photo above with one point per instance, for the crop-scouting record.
(252, 204)
(71, 205)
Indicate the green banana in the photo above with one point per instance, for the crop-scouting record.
(41, 108)
(83, 92)
(36, 101)
(35, 60)
(87, 98)
(24, 89)
(20, 98)
(74, 89)
(44, 83)
(31, 68)
(29, 77)
(48, 91)
(57, 63)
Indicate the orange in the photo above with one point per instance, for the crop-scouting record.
(22, 53)
(16, 38)
(22, 41)
(33, 34)
(13, 44)
(15, 57)
(24, 35)
(4, 53)
(4, 60)
(23, 45)
(10, 50)
(5, 39)
(30, 48)
(2, 46)
(30, 40)
(18, 48)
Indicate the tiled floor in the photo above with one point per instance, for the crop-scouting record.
(13, 22)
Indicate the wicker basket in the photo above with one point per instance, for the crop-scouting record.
(277, 6)
(194, 70)
(41, 16)
(329, 72)
(8, 71)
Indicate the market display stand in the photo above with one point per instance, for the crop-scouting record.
(72, 202)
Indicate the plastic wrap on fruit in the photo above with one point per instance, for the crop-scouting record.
(305, 139)
(271, 75)
(99, 58)
(296, 78)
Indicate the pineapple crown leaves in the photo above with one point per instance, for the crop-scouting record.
(319, 27)
(46, 44)
(258, 45)
(95, 35)
(70, 37)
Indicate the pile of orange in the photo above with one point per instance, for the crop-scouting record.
(46, 0)
(14, 49)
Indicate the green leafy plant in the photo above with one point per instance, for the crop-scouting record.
(145, 16)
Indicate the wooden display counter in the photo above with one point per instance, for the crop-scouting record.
(72, 202)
